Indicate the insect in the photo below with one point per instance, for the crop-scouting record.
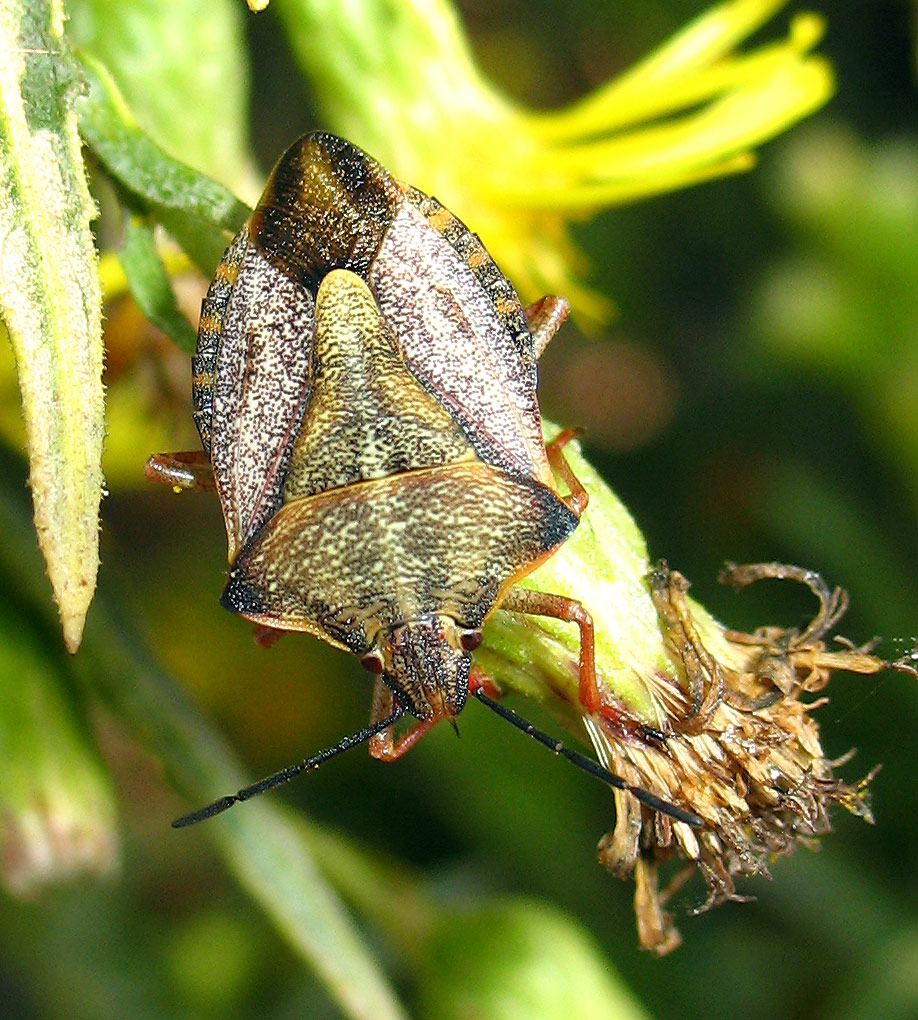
(365, 392)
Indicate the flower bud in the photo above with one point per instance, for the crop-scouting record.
(57, 810)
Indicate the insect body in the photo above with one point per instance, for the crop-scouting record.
(365, 392)
(393, 539)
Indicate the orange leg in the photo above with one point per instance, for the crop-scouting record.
(265, 637)
(537, 603)
(480, 681)
(181, 470)
(545, 318)
(383, 747)
(579, 498)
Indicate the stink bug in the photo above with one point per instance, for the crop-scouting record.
(365, 392)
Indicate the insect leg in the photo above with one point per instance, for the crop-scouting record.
(382, 746)
(579, 498)
(545, 318)
(190, 470)
(538, 603)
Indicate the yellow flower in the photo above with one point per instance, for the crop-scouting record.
(400, 81)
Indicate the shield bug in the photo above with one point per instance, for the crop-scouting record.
(365, 392)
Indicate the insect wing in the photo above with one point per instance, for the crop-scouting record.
(463, 332)
(458, 321)
(252, 372)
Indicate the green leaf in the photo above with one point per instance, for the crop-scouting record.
(183, 71)
(50, 299)
(150, 286)
(201, 214)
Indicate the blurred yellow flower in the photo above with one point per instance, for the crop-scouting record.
(400, 81)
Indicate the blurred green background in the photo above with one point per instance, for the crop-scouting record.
(755, 399)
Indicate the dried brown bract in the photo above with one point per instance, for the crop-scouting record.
(740, 748)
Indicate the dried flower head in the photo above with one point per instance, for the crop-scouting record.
(711, 720)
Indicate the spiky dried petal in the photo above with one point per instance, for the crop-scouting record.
(741, 748)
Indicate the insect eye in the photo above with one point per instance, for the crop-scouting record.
(372, 662)
(470, 640)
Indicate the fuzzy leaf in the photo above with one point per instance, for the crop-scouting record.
(50, 298)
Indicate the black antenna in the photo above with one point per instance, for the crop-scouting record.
(285, 775)
(588, 765)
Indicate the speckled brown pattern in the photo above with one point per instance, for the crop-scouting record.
(365, 388)
(457, 342)
(496, 286)
(368, 417)
(354, 561)
(260, 392)
(458, 320)
(210, 329)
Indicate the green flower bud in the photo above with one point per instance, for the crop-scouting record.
(514, 960)
(57, 809)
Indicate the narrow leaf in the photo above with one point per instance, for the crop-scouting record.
(50, 298)
(150, 286)
(201, 214)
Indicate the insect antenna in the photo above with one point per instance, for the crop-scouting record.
(285, 775)
(588, 765)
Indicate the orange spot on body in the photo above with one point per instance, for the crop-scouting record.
(227, 272)
(476, 258)
(441, 219)
(209, 324)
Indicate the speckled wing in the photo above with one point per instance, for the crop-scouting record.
(463, 332)
(251, 382)
(345, 563)
(324, 207)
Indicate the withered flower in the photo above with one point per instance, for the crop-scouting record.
(711, 720)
